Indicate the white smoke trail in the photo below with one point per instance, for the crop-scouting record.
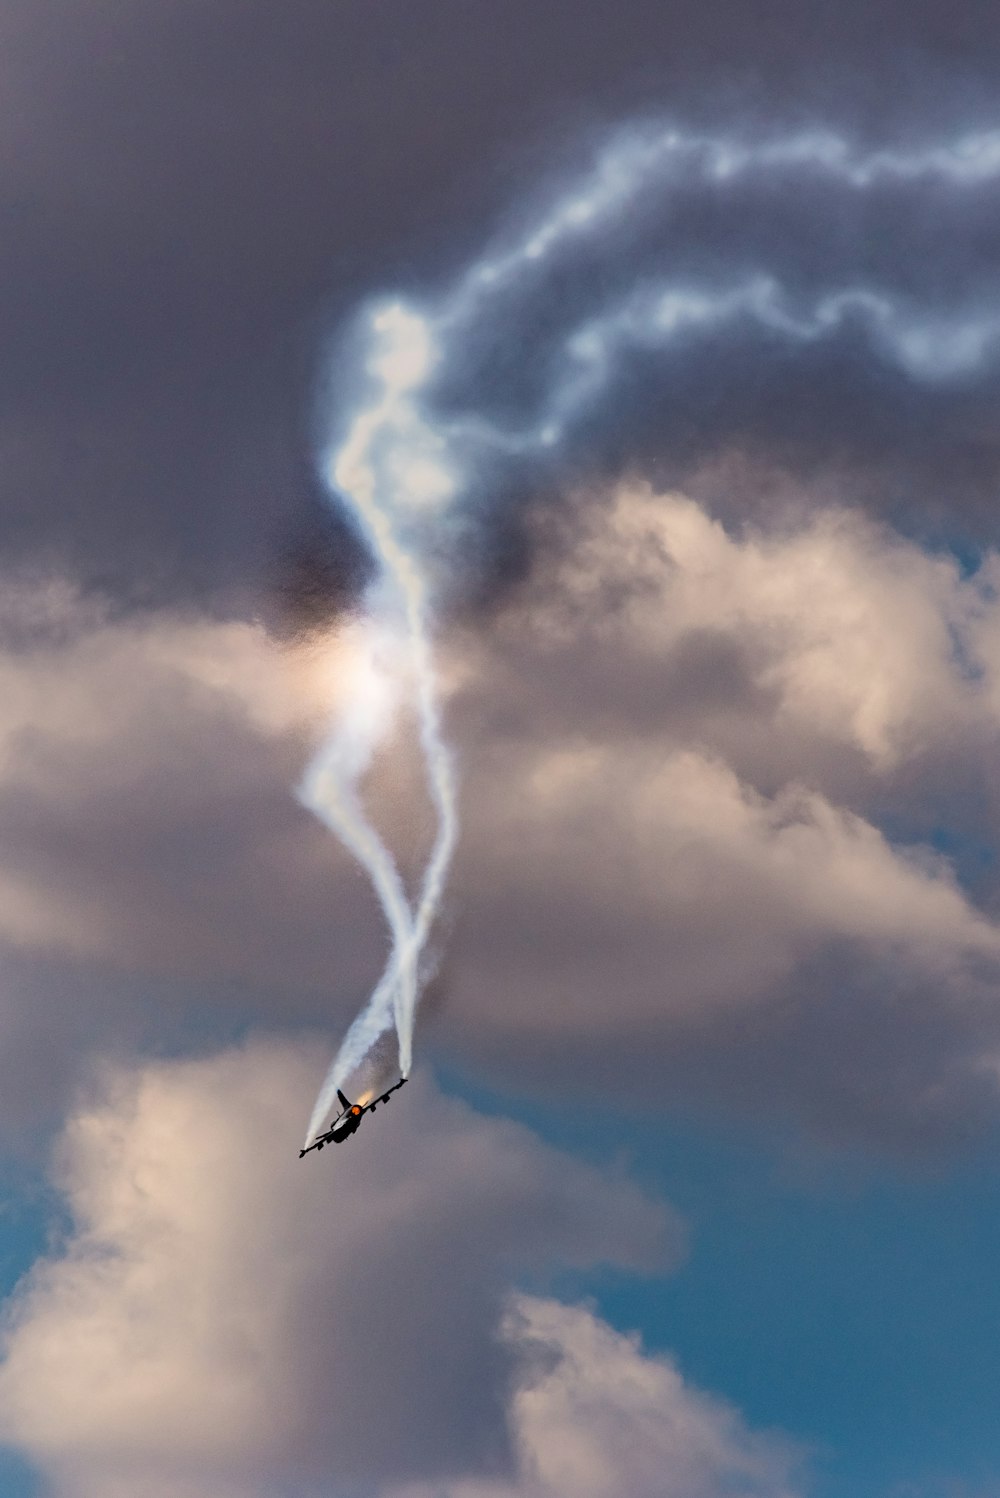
(388, 466)
(395, 460)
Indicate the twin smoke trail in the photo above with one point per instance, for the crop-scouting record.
(383, 467)
(402, 465)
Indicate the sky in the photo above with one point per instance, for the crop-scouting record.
(680, 326)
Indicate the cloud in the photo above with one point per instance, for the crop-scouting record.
(677, 850)
(691, 738)
(595, 1417)
(160, 880)
(824, 628)
(224, 1318)
(119, 735)
(708, 774)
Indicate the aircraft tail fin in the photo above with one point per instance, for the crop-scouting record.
(344, 1102)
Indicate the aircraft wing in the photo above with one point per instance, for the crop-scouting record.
(369, 1107)
(317, 1143)
(326, 1138)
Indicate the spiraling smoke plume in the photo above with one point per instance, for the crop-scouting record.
(410, 451)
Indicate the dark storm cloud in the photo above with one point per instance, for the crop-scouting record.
(185, 187)
(786, 300)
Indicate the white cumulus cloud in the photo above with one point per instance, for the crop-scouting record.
(596, 1417)
(223, 1317)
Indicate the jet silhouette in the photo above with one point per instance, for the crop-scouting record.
(346, 1123)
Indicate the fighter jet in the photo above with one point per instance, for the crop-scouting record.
(345, 1124)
